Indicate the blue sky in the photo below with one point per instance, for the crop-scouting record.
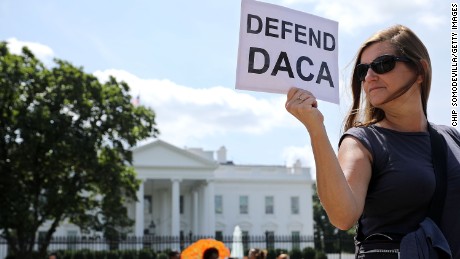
(180, 57)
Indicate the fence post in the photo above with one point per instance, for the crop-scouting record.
(340, 245)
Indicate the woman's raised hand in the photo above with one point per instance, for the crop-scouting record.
(304, 106)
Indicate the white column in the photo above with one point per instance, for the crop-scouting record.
(195, 212)
(211, 209)
(140, 210)
(164, 212)
(175, 213)
(205, 210)
(201, 205)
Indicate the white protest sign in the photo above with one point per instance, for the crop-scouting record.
(280, 48)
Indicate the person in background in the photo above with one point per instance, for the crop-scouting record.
(211, 253)
(385, 157)
(174, 255)
(255, 253)
(283, 256)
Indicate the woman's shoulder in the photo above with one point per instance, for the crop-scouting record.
(364, 134)
(360, 132)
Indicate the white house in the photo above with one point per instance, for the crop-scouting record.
(194, 191)
(191, 191)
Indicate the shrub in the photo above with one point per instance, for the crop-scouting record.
(112, 255)
(295, 254)
(128, 254)
(146, 254)
(68, 255)
(100, 255)
(320, 255)
(90, 254)
(79, 255)
(309, 253)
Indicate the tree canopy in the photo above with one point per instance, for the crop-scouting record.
(65, 149)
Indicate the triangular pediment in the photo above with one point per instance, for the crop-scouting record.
(160, 154)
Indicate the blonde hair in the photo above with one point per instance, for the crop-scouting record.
(405, 43)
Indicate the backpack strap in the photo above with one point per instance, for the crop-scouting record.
(439, 156)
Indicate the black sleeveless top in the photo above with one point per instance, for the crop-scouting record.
(403, 181)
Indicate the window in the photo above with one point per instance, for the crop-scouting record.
(219, 235)
(181, 204)
(269, 205)
(295, 205)
(218, 204)
(41, 236)
(245, 239)
(72, 239)
(244, 204)
(147, 204)
(270, 239)
(295, 239)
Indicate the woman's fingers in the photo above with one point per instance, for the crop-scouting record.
(303, 105)
(291, 93)
(297, 96)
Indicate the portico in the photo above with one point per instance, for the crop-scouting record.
(176, 193)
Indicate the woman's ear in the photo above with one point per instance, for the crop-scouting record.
(422, 70)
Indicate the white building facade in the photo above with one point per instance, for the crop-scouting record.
(187, 191)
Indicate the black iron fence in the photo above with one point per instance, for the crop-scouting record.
(333, 246)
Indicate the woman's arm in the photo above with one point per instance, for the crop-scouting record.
(341, 181)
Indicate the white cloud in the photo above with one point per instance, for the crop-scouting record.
(431, 20)
(184, 113)
(358, 14)
(42, 52)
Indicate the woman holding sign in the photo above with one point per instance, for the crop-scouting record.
(396, 175)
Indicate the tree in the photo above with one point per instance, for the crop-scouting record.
(325, 234)
(65, 149)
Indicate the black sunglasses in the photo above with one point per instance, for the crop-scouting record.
(380, 65)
